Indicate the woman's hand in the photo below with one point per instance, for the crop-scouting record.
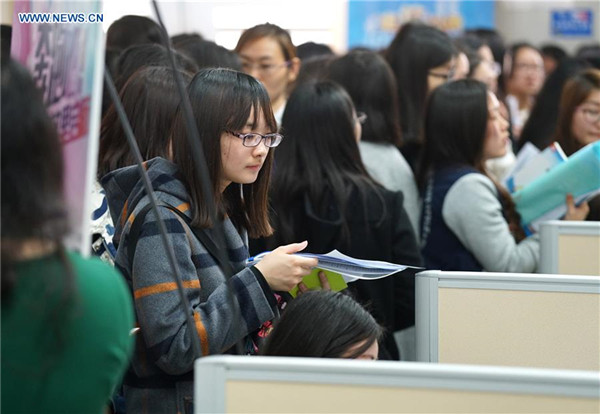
(574, 212)
(302, 288)
(282, 269)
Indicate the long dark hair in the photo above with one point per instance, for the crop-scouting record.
(33, 207)
(319, 157)
(455, 128)
(540, 127)
(370, 82)
(415, 50)
(222, 100)
(575, 92)
(150, 100)
(323, 324)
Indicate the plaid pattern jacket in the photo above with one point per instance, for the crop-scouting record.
(162, 345)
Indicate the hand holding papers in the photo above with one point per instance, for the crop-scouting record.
(339, 266)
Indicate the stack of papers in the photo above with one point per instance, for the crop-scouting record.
(341, 269)
(532, 163)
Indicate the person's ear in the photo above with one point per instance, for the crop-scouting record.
(294, 69)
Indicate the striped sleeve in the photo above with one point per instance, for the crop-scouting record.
(158, 306)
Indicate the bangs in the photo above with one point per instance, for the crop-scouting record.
(254, 102)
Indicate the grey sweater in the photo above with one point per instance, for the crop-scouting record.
(472, 211)
(163, 347)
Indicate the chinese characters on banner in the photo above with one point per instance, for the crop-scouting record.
(66, 61)
(374, 23)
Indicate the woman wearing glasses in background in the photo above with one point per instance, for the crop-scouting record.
(236, 143)
(422, 58)
(579, 119)
(323, 193)
(268, 54)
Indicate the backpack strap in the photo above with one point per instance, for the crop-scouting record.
(201, 235)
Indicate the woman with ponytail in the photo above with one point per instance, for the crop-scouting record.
(468, 221)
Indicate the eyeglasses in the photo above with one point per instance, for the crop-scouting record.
(361, 117)
(445, 76)
(264, 68)
(590, 115)
(253, 139)
(528, 67)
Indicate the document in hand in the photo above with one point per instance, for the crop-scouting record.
(339, 266)
(532, 163)
(544, 198)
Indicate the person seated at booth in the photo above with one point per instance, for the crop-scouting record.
(325, 324)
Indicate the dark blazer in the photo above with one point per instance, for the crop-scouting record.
(378, 228)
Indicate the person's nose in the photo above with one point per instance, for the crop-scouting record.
(261, 150)
(254, 72)
(504, 125)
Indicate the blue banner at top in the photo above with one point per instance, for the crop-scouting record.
(374, 23)
(577, 22)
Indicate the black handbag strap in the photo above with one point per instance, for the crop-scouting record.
(138, 221)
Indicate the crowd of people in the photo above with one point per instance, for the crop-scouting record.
(395, 155)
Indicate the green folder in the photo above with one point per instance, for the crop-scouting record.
(336, 281)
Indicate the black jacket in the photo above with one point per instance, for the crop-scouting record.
(377, 231)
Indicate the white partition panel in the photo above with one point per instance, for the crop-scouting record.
(545, 321)
(309, 385)
(570, 247)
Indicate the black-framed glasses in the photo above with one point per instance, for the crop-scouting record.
(253, 139)
(361, 117)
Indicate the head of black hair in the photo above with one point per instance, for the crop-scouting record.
(136, 57)
(416, 49)
(150, 99)
(319, 161)
(455, 127)
(591, 53)
(371, 84)
(493, 39)
(185, 37)
(311, 49)
(208, 54)
(323, 324)
(132, 30)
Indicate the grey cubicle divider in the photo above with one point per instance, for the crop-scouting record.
(570, 247)
(277, 384)
(544, 321)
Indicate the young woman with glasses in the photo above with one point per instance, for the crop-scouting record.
(322, 193)
(579, 119)
(268, 54)
(524, 77)
(237, 131)
(422, 58)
